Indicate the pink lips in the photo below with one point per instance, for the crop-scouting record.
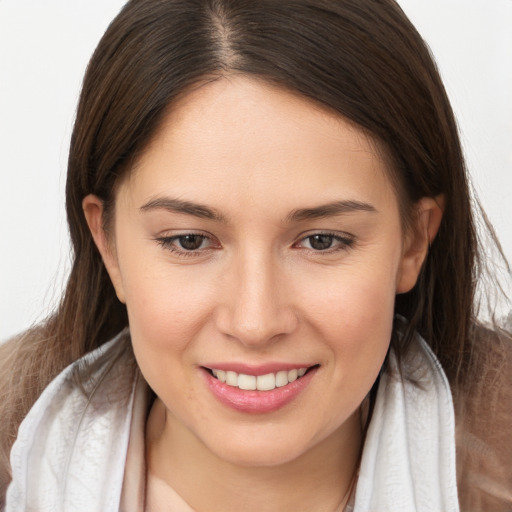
(258, 401)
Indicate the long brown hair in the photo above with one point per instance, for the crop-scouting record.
(361, 58)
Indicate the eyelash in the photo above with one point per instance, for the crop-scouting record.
(167, 243)
(345, 242)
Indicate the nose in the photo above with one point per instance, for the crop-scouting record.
(257, 308)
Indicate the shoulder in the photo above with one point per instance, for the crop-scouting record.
(75, 408)
(15, 380)
(97, 380)
(483, 412)
(81, 418)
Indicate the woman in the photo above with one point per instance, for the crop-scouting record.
(274, 278)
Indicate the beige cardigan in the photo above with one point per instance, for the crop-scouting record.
(484, 430)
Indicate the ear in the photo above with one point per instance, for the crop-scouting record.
(426, 222)
(93, 211)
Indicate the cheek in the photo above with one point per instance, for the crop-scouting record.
(167, 306)
(352, 311)
(164, 311)
(359, 326)
(353, 295)
(165, 315)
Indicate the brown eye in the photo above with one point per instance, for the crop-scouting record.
(187, 244)
(190, 242)
(321, 242)
(327, 242)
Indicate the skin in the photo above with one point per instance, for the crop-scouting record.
(259, 290)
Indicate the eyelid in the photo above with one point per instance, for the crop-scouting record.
(347, 240)
(167, 241)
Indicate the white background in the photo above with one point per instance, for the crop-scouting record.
(44, 48)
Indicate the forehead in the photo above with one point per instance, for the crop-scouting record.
(244, 138)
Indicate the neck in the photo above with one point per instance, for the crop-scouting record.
(318, 479)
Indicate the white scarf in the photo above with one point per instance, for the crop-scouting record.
(71, 452)
(408, 462)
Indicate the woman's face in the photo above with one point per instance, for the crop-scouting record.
(258, 237)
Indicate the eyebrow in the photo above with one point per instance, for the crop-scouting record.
(205, 212)
(330, 210)
(184, 207)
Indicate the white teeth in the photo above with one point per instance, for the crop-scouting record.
(266, 382)
(292, 375)
(246, 381)
(232, 379)
(281, 379)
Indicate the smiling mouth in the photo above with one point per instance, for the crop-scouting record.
(266, 382)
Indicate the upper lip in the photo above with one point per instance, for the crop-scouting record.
(259, 369)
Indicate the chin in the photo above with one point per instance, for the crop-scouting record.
(258, 446)
(262, 454)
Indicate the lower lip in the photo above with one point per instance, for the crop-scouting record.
(258, 402)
